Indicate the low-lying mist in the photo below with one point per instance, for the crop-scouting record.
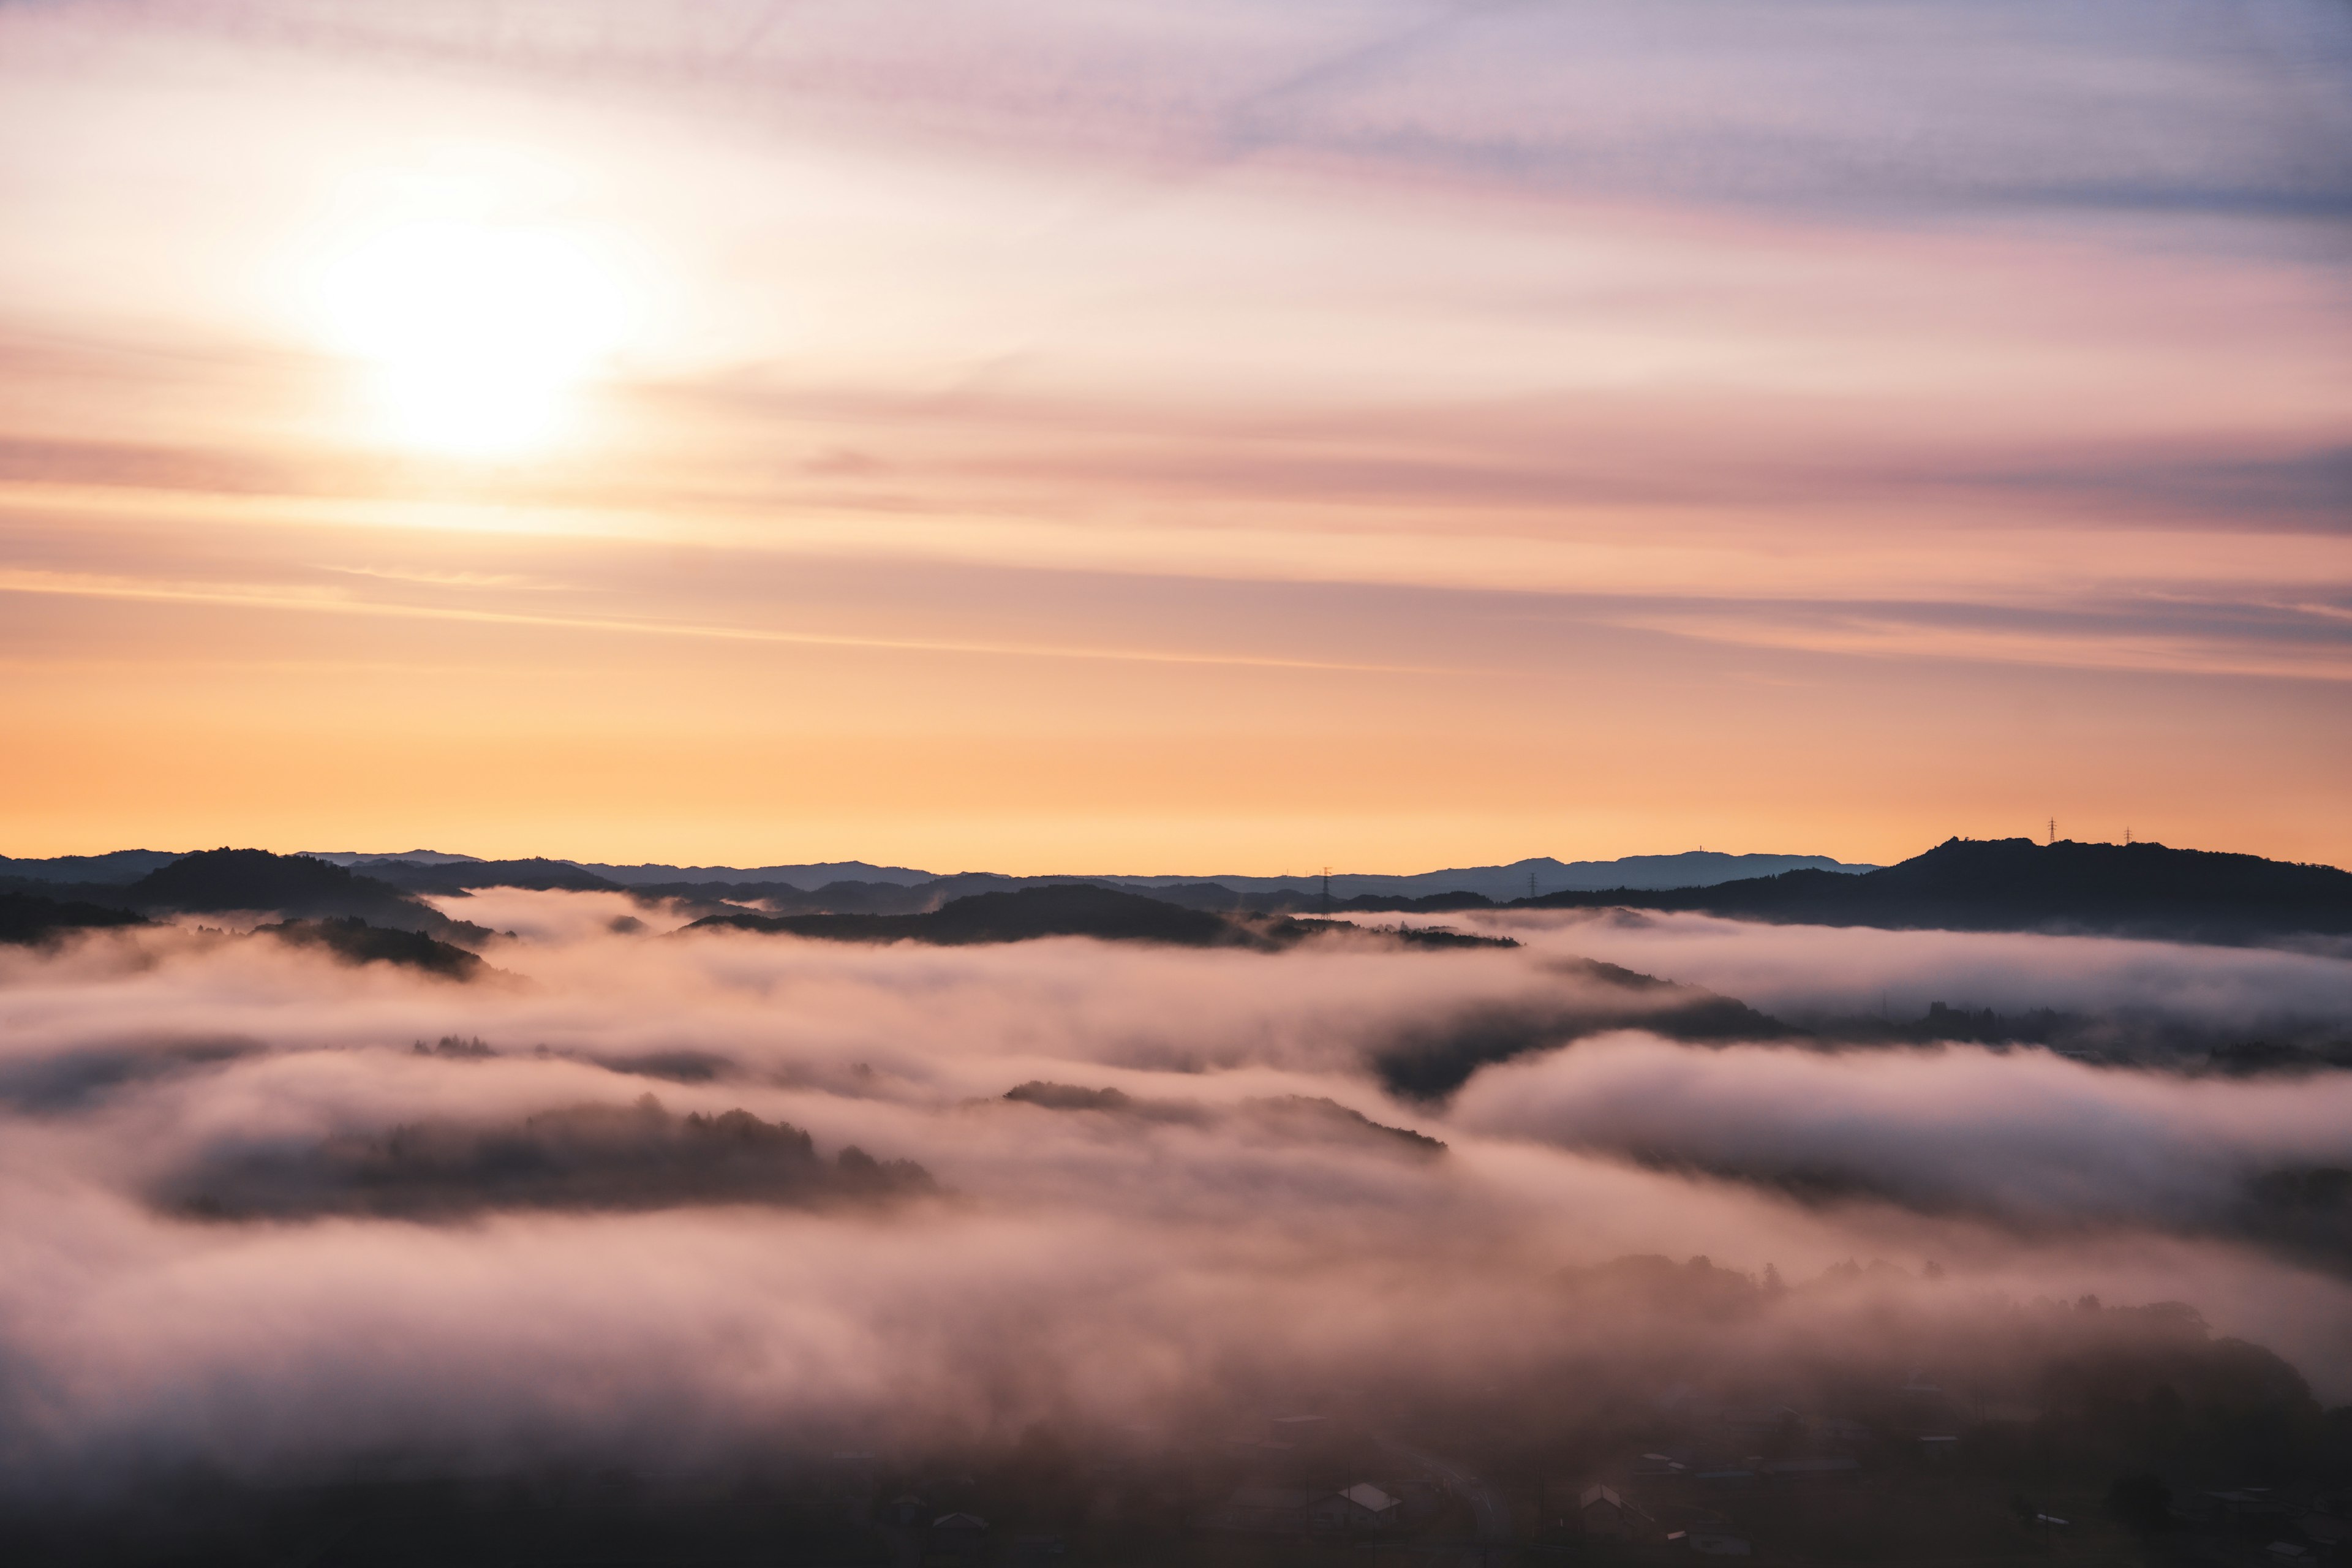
(645, 1198)
(1810, 972)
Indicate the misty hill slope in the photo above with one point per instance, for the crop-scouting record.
(29, 917)
(1074, 909)
(1429, 1060)
(1024, 915)
(354, 941)
(1302, 1119)
(587, 1157)
(217, 881)
(2015, 884)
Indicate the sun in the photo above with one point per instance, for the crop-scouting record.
(477, 337)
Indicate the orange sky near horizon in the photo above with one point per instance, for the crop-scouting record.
(1173, 440)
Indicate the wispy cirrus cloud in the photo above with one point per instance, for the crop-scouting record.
(1618, 356)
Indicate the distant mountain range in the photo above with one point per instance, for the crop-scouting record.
(114, 867)
(1527, 878)
(2137, 890)
(1520, 878)
(419, 857)
(808, 877)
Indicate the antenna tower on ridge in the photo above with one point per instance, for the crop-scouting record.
(2053, 830)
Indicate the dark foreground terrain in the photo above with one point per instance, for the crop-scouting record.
(2047, 1432)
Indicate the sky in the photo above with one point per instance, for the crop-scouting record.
(1151, 437)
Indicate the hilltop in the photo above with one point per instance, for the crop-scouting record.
(2015, 884)
(222, 880)
(226, 881)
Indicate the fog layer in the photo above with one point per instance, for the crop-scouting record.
(1218, 1232)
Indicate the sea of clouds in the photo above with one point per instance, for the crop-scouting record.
(1117, 1269)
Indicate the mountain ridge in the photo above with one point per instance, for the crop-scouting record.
(2141, 890)
(435, 870)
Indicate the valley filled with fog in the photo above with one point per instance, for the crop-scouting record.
(283, 1214)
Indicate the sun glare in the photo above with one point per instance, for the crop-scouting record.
(478, 337)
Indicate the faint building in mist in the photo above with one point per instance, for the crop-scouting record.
(1360, 1507)
(1603, 1513)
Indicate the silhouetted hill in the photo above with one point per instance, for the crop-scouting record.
(354, 941)
(2015, 884)
(218, 880)
(30, 917)
(221, 880)
(1076, 908)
